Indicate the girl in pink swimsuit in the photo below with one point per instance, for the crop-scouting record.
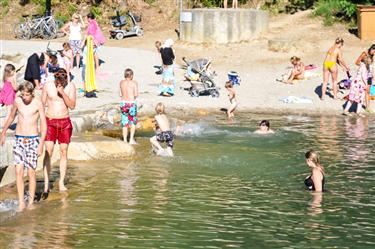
(9, 89)
(68, 58)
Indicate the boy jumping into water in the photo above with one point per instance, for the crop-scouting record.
(28, 145)
(163, 131)
(128, 105)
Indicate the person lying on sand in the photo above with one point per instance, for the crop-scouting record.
(264, 128)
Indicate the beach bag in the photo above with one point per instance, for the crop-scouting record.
(372, 92)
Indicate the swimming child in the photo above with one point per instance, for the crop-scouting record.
(28, 145)
(264, 128)
(128, 105)
(163, 131)
(232, 99)
(8, 91)
(314, 182)
(68, 58)
(358, 87)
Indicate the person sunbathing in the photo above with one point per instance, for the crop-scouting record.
(297, 72)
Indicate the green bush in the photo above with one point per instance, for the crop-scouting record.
(339, 10)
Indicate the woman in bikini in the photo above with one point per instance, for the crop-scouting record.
(334, 57)
(295, 73)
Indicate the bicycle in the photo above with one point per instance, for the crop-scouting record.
(45, 27)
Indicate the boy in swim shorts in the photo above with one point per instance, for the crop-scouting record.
(28, 145)
(128, 105)
(163, 131)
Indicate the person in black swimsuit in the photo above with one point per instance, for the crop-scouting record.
(314, 182)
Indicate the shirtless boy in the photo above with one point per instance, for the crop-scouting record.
(28, 145)
(163, 131)
(232, 99)
(128, 105)
(59, 96)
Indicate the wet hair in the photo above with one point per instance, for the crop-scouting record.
(314, 157)
(160, 108)
(128, 74)
(294, 59)
(9, 70)
(91, 15)
(28, 87)
(339, 40)
(265, 122)
(228, 84)
(66, 45)
(61, 77)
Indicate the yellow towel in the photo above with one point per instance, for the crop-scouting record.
(90, 66)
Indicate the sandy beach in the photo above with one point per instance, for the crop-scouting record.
(257, 66)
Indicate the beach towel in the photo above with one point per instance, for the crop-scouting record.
(90, 84)
(95, 31)
(296, 100)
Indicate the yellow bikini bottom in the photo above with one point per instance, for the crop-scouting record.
(329, 64)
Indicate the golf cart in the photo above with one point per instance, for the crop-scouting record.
(121, 21)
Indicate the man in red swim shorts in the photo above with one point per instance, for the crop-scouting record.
(59, 96)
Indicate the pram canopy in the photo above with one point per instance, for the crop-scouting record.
(199, 65)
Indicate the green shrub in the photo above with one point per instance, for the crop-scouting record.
(72, 8)
(96, 11)
(61, 16)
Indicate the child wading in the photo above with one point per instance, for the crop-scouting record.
(128, 105)
(163, 131)
(8, 91)
(28, 145)
(232, 99)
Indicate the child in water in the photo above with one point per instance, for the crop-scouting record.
(232, 99)
(264, 128)
(163, 131)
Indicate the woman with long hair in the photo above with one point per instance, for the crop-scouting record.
(314, 182)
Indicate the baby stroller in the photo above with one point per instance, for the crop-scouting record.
(120, 21)
(201, 78)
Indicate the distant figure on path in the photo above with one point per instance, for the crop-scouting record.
(264, 128)
(28, 145)
(163, 131)
(333, 57)
(314, 182)
(128, 105)
(168, 79)
(358, 87)
(59, 96)
(234, 4)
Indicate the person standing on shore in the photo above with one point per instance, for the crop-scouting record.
(28, 145)
(333, 57)
(59, 96)
(371, 72)
(94, 30)
(9, 88)
(36, 63)
(168, 79)
(74, 30)
(128, 105)
(232, 99)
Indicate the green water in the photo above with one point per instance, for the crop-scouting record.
(225, 188)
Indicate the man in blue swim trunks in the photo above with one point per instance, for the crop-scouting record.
(128, 105)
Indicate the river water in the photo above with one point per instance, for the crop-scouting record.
(225, 188)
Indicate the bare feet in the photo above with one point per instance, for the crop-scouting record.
(21, 207)
(132, 142)
(62, 187)
(346, 113)
(30, 206)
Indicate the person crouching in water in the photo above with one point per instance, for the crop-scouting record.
(163, 131)
(358, 87)
(28, 145)
(232, 99)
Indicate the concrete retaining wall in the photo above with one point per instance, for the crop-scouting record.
(222, 25)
